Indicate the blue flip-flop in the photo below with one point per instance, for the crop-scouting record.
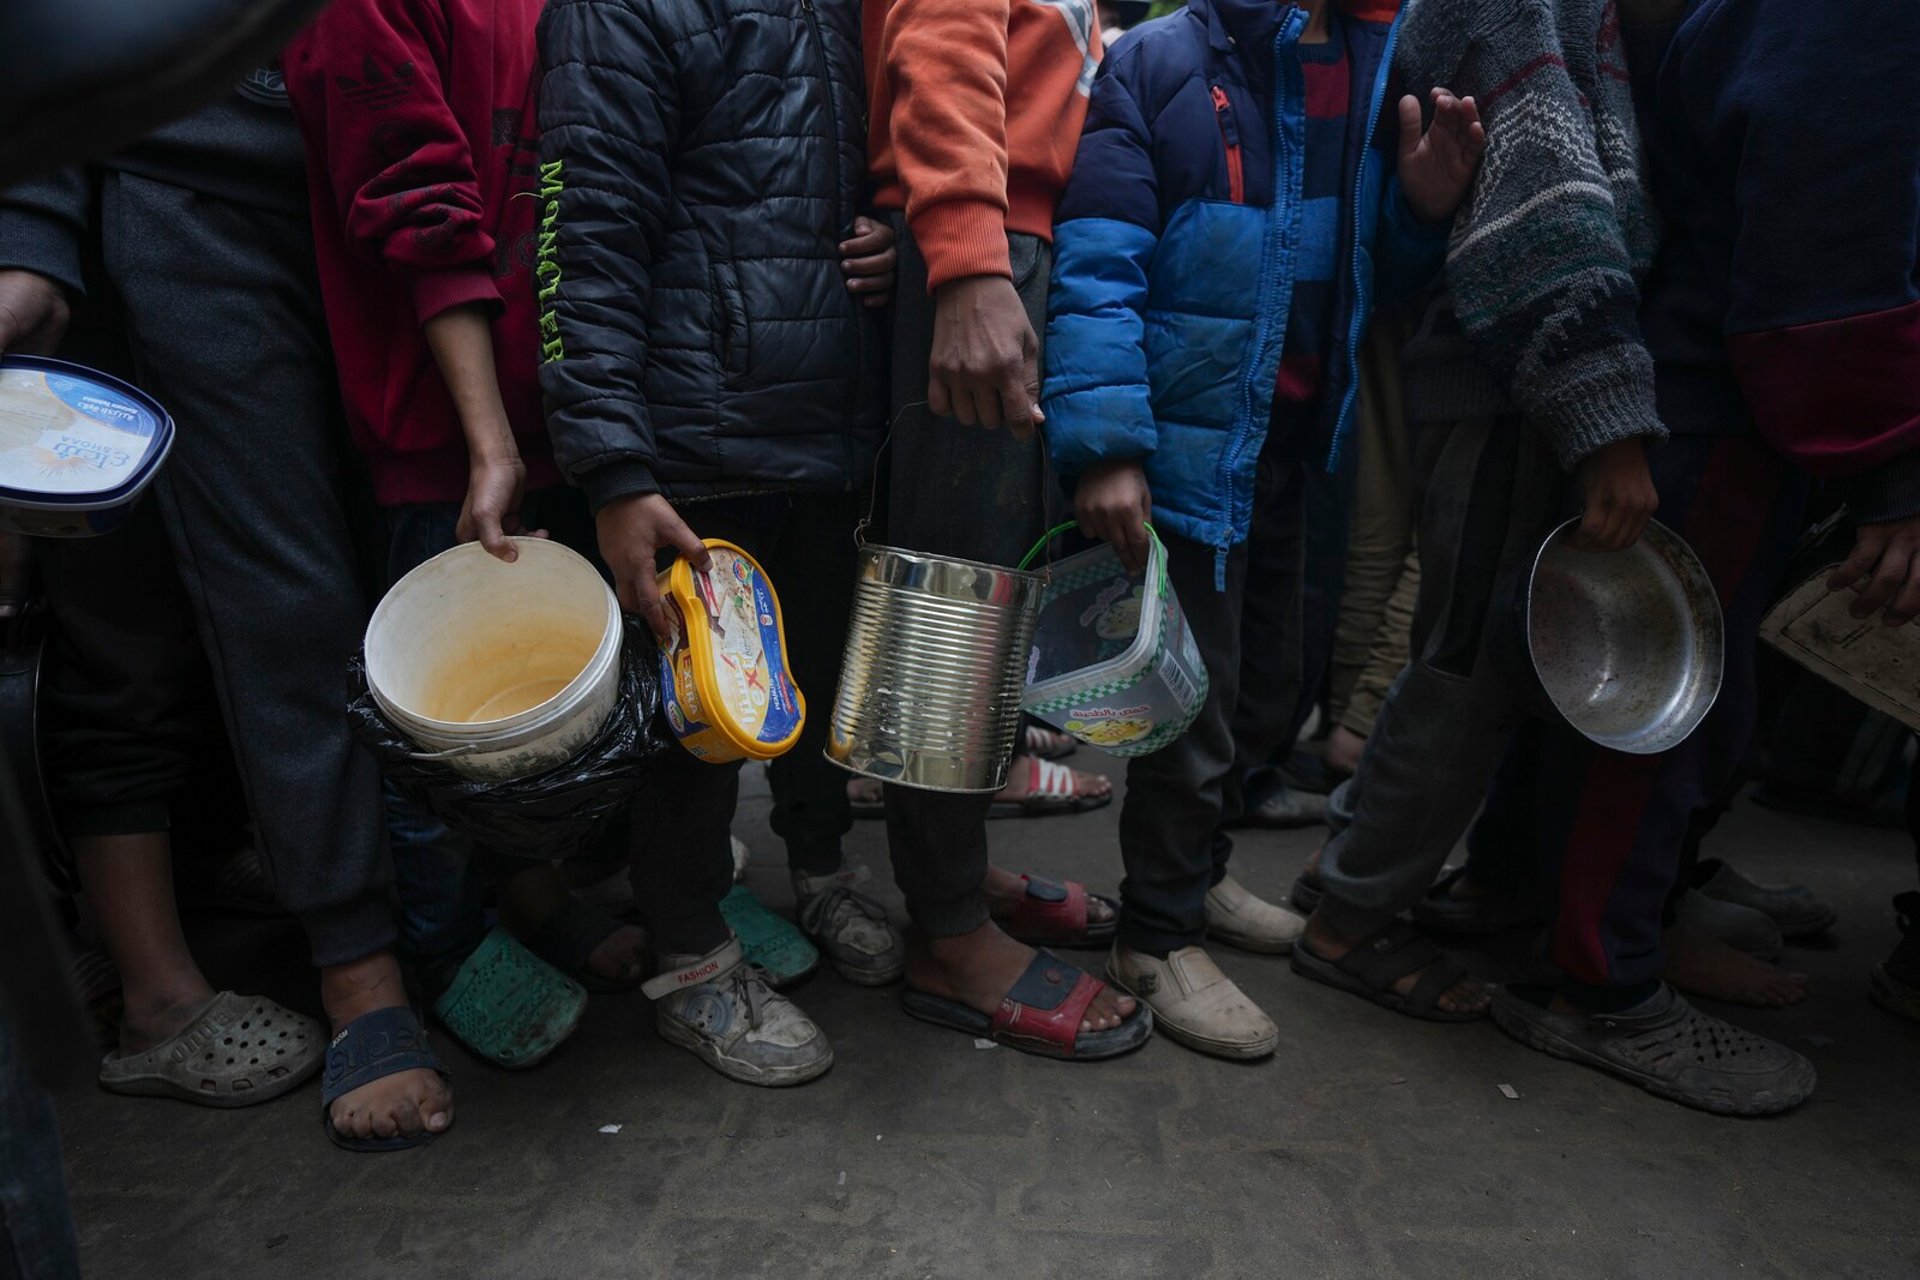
(372, 1047)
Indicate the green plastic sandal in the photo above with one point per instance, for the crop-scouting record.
(773, 943)
(509, 1006)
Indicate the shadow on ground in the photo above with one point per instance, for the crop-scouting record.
(1370, 1145)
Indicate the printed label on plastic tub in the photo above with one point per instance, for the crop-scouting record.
(1114, 663)
(728, 693)
(66, 435)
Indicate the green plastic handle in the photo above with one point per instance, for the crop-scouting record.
(1053, 533)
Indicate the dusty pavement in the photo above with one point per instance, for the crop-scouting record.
(1370, 1145)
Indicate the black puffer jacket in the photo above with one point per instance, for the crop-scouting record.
(701, 161)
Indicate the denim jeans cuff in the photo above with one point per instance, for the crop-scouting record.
(350, 930)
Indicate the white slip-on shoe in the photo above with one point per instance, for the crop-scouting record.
(1194, 1002)
(1241, 920)
(720, 1008)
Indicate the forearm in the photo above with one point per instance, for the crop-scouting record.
(1545, 255)
(43, 226)
(948, 63)
(461, 339)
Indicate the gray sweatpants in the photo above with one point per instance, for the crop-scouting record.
(1492, 490)
(223, 317)
(958, 491)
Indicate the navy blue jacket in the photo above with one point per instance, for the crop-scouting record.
(1785, 159)
(701, 162)
(1171, 279)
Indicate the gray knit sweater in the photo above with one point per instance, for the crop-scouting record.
(1547, 249)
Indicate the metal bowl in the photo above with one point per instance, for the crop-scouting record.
(1627, 646)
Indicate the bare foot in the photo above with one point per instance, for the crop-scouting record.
(1469, 995)
(1020, 782)
(1344, 749)
(977, 969)
(404, 1103)
(1005, 889)
(1704, 966)
(532, 896)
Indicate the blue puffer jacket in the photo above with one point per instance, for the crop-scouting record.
(1171, 278)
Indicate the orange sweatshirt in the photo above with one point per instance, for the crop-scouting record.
(942, 144)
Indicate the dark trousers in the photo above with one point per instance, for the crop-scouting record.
(1610, 826)
(126, 702)
(1606, 834)
(958, 491)
(1172, 836)
(222, 316)
(682, 860)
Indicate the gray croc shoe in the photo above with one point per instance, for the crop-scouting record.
(237, 1051)
(1670, 1049)
(1742, 928)
(1790, 906)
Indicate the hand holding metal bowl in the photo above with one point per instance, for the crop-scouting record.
(1626, 647)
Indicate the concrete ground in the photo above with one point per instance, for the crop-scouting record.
(1371, 1145)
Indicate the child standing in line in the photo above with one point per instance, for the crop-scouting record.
(712, 368)
(418, 120)
(1234, 195)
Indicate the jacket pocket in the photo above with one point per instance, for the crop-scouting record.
(1230, 140)
(730, 329)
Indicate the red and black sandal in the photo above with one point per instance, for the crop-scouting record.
(1055, 913)
(1041, 1014)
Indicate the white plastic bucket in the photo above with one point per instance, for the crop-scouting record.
(504, 670)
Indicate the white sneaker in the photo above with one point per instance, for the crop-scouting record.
(850, 928)
(1194, 1002)
(720, 1008)
(1241, 920)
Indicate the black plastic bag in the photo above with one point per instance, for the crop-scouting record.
(549, 816)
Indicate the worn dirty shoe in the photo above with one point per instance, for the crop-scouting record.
(1241, 920)
(851, 929)
(720, 1009)
(1670, 1049)
(1194, 1002)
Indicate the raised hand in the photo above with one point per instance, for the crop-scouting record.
(1437, 166)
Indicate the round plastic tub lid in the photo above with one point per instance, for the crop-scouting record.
(72, 438)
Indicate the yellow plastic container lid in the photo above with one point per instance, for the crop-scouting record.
(728, 692)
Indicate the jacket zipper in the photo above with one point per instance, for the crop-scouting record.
(1344, 420)
(1263, 333)
(844, 226)
(1230, 138)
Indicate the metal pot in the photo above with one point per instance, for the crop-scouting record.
(1626, 647)
(934, 669)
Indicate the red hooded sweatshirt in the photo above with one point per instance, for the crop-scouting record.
(421, 159)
